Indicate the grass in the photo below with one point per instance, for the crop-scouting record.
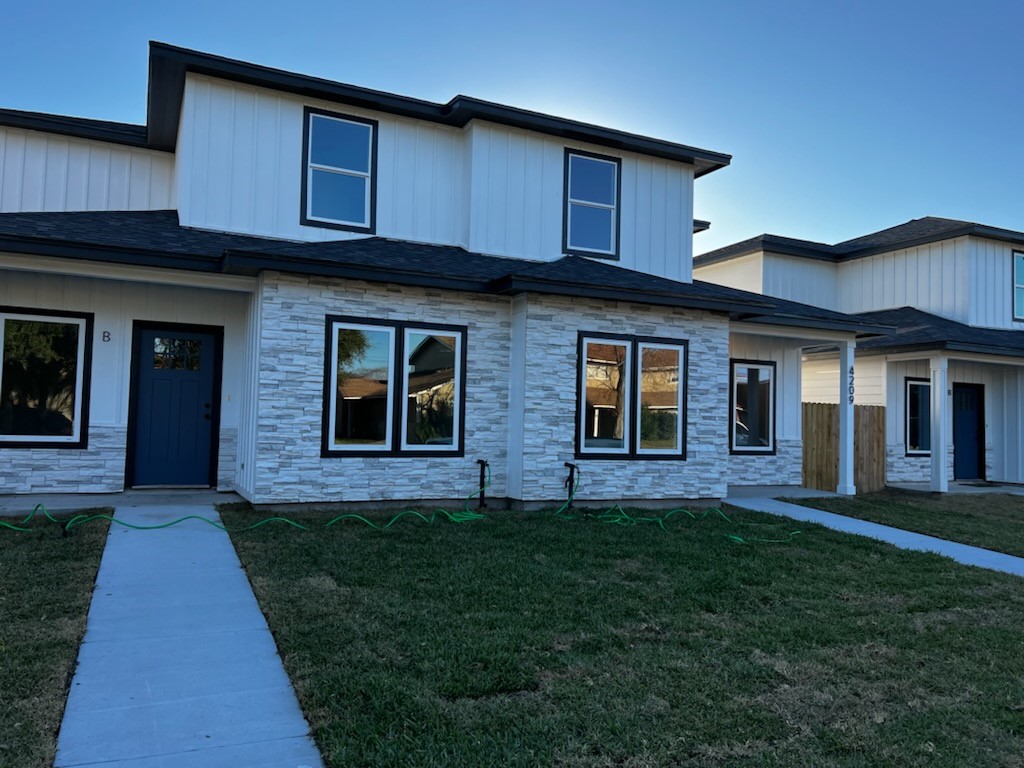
(992, 521)
(525, 640)
(46, 583)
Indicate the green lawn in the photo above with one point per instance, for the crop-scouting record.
(525, 640)
(46, 583)
(993, 521)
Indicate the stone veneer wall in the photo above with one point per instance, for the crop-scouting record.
(552, 324)
(903, 468)
(784, 468)
(96, 469)
(288, 466)
(227, 459)
(900, 468)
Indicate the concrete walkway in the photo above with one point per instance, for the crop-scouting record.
(962, 553)
(178, 668)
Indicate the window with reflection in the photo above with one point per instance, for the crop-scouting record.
(632, 397)
(44, 378)
(393, 388)
(753, 406)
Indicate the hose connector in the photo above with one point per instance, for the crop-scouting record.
(481, 503)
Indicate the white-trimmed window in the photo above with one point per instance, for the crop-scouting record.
(1018, 285)
(918, 417)
(632, 397)
(431, 389)
(591, 217)
(752, 400)
(339, 171)
(45, 359)
(393, 388)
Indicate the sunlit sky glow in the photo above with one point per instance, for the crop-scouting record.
(842, 118)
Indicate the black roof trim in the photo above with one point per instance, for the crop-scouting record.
(76, 127)
(169, 64)
(910, 234)
(920, 331)
(699, 225)
(108, 253)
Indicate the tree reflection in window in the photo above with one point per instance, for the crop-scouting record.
(430, 389)
(39, 378)
(176, 354)
(363, 387)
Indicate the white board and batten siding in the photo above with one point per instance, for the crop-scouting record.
(487, 188)
(820, 380)
(932, 278)
(745, 273)
(786, 355)
(807, 281)
(1004, 410)
(46, 172)
(991, 284)
(116, 305)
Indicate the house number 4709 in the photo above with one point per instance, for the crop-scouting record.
(851, 384)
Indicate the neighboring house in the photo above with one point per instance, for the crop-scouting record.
(307, 291)
(954, 292)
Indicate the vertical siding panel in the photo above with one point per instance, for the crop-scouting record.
(139, 168)
(14, 172)
(97, 193)
(117, 190)
(425, 184)
(643, 202)
(523, 238)
(33, 173)
(263, 150)
(77, 185)
(56, 174)
(241, 198)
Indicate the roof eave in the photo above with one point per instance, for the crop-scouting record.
(168, 66)
(76, 127)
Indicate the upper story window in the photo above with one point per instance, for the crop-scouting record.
(1018, 285)
(339, 171)
(591, 216)
(44, 378)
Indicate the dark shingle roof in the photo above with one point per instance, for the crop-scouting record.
(154, 238)
(929, 229)
(917, 330)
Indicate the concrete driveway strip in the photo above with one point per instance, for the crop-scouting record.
(178, 668)
(961, 553)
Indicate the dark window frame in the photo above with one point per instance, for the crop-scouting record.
(615, 254)
(1014, 285)
(907, 381)
(750, 450)
(304, 218)
(394, 440)
(85, 394)
(633, 402)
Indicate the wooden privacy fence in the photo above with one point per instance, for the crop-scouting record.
(821, 447)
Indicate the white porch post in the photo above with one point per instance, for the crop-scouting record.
(939, 419)
(846, 485)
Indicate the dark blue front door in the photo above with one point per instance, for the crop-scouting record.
(968, 432)
(174, 406)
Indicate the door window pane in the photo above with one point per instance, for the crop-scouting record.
(659, 398)
(363, 386)
(177, 354)
(605, 424)
(41, 378)
(430, 389)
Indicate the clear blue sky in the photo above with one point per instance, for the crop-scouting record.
(842, 118)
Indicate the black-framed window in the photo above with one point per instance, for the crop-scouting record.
(393, 388)
(592, 188)
(1018, 285)
(45, 366)
(918, 415)
(339, 171)
(631, 396)
(752, 405)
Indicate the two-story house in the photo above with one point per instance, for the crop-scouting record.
(954, 293)
(308, 291)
